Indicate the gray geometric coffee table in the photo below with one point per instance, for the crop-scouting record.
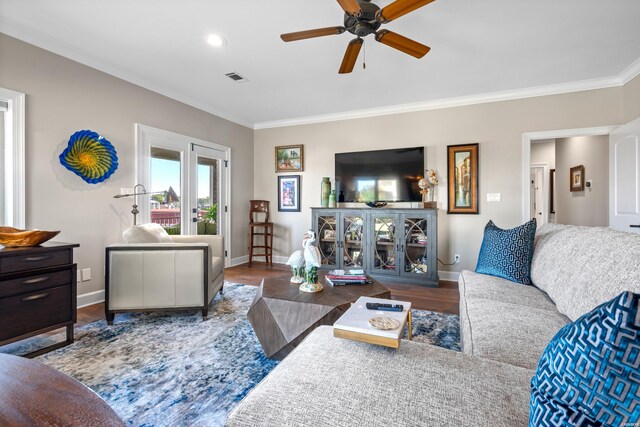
(282, 316)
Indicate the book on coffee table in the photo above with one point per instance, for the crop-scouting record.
(378, 327)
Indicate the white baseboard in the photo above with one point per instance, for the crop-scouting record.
(451, 276)
(90, 298)
(240, 260)
(280, 259)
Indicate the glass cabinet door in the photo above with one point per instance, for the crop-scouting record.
(352, 245)
(384, 243)
(327, 238)
(415, 257)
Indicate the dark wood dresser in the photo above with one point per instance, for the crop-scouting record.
(38, 292)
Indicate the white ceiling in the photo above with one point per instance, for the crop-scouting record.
(478, 48)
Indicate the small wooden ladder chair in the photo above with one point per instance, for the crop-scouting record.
(263, 228)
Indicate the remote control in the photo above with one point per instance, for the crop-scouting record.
(384, 307)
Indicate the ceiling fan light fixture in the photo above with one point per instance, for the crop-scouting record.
(400, 8)
(216, 40)
(401, 43)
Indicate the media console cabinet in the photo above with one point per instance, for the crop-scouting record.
(384, 242)
(37, 292)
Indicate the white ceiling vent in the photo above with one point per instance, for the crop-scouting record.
(236, 77)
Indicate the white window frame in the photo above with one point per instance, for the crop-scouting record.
(14, 214)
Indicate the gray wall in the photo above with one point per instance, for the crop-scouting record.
(497, 126)
(62, 97)
(591, 206)
(544, 151)
(632, 100)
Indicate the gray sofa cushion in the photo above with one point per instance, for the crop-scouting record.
(476, 285)
(583, 267)
(507, 332)
(329, 381)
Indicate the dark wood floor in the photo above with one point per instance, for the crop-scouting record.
(443, 299)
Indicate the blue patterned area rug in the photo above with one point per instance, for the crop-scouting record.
(173, 369)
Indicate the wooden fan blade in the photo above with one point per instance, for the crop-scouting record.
(350, 56)
(400, 8)
(403, 44)
(308, 34)
(352, 7)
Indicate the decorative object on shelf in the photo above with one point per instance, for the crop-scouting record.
(332, 199)
(312, 264)
(289, 193)
(296, 261)
(12, 237)
(341, 197)
(576, 178)
(427, 189)
(376, 204)
(325, 189)
(290, 158)
(142, 192)
(462, 168)
(90, 156)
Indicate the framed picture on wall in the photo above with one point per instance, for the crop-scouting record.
(576, 178)
(289, 193)
(289, 158)
(462, 169)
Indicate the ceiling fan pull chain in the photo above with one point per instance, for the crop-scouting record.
(364, 55)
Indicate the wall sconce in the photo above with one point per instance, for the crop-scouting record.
(136, 192)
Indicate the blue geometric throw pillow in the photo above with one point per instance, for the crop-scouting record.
(507, 253)
(589, 374)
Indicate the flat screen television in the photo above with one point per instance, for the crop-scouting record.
(383, 175)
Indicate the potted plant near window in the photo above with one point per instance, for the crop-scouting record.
(208, 221)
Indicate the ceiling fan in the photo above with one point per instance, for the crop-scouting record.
(361, 17)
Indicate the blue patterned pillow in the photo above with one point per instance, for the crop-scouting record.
(589, 374)
(507, 253)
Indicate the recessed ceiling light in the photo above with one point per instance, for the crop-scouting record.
(216, 40)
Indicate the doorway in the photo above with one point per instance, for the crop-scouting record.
(190, 181)
(559, 203)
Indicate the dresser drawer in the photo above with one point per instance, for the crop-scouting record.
(35, 282)
(22, 314)
(41, 259)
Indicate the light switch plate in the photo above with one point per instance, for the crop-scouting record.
(494, 197)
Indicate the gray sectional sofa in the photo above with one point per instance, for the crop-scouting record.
(505, 327)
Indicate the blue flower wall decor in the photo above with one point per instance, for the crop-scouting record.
(90, 156)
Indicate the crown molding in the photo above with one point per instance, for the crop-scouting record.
(83, 57)
(629, 73)
(508, 95)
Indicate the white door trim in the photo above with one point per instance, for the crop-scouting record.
(143, 156)
(545, 189)
(14, 159)
(551, 134)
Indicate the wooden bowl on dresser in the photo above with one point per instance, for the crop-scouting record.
(13, 237)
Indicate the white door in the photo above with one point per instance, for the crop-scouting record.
(538, 194)
(624, 177)
(191, 180)
(208, 205)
